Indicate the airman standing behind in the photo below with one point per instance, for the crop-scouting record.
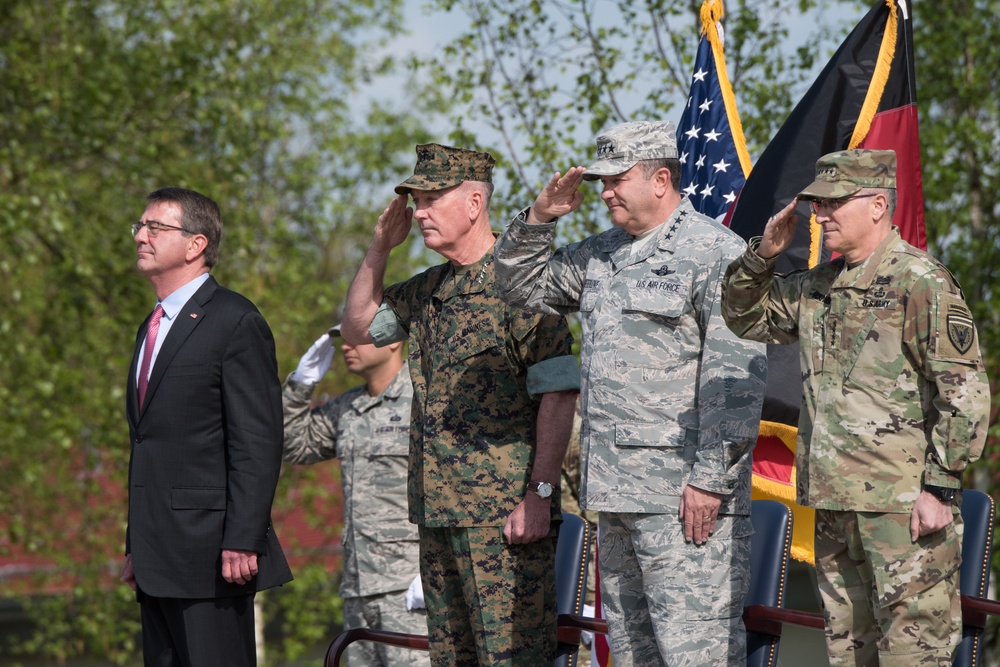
(367, 429)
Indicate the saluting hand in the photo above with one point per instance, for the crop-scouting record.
(393, 225)
(779, 232)
(560, 196)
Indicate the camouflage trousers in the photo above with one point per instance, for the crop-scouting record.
(667, 601)
(386, 611)
(488, 602)
(889, 602)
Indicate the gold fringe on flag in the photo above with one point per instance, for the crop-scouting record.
(711, 14)
(869, 108)
(880, 76)
(803, 527)
(815, 240)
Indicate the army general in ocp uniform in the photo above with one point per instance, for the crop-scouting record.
(494, 389)
(895, 405)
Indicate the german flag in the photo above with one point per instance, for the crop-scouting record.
(865, 97)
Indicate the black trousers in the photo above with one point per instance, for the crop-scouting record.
(198, 633)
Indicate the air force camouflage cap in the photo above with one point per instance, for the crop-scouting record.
(621, 147)
(844, 173)
(439, 167)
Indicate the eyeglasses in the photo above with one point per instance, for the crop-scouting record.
(153, 227)
(833, 204)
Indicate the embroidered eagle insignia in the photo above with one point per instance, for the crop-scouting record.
(961, 331)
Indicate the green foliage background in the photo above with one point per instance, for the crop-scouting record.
(259, 105)
(252, 102)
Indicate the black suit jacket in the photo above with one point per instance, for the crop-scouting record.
(206, 451)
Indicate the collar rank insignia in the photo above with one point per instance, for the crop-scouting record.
(663, 271)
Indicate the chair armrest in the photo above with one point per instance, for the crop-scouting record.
(341, 642)
(975, 610)
(757, 618)
(577, 622)
(768, 620)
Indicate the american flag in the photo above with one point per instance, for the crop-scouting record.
(712, 168)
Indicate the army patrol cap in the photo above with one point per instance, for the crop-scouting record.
(844, 173)
(439, 167)
(621, 147)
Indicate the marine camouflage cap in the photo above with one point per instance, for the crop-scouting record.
(621, 147)
(844, 173)
(439, 167)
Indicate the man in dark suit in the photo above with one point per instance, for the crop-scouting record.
(206, 435)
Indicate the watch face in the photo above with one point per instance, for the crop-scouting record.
(544, 489)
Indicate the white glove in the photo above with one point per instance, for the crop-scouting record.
(585, 635)
(415, 595)
(316, 362)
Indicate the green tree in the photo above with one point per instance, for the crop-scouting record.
(545, 77)
(255, 103)
(959, 103)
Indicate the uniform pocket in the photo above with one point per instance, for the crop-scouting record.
(880, 360)
(665, 434)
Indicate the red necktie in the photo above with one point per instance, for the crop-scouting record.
(147, 356)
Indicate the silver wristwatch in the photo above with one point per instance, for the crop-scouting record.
(543, 489)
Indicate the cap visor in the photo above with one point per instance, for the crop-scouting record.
(603, 168)
(827, 190)
(426, 184)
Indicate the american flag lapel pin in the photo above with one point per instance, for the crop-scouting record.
(194, 316)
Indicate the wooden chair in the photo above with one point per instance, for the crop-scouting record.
(572, 558)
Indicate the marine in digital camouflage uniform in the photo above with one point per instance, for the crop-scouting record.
(895, 406)
(493, 395)
(670, 397)
(367, 429)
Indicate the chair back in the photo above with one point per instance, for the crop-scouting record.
(572, 558)
(770, 548)
(978, 516)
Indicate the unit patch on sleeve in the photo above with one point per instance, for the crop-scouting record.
(956, 333)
